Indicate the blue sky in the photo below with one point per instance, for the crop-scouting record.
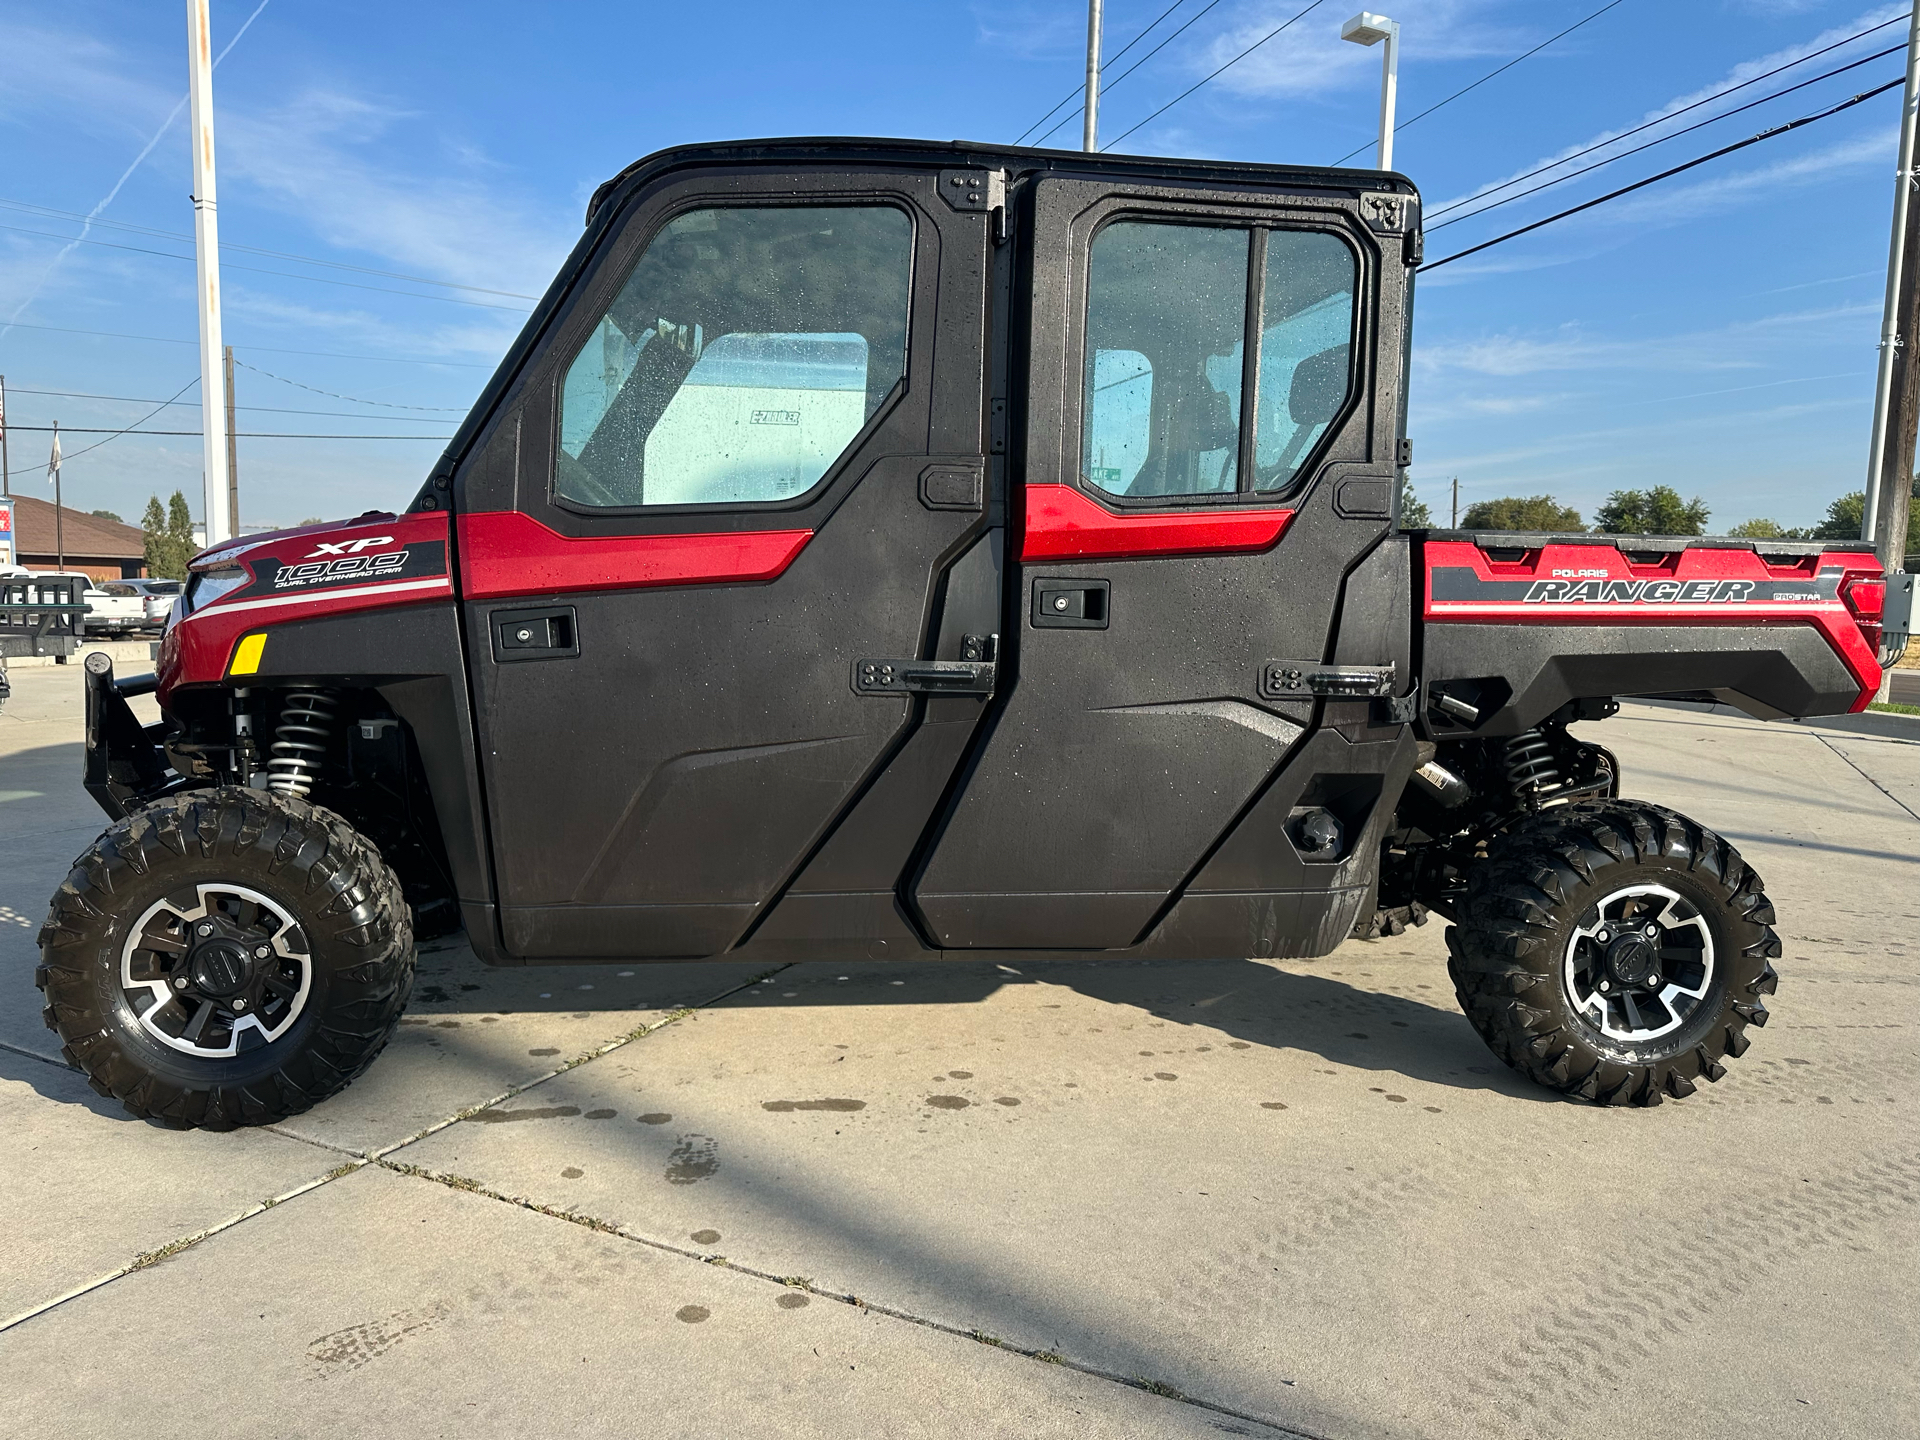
(1715, 333)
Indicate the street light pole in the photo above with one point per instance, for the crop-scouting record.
(1897, 386)
(1367, 28)
(206, 249)
(1090, 126)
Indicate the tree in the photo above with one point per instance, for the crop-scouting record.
(1414, 514)
(1763, 529)
(153, 528)
(1658, 511)
(107, 515)
(1844, 517)
(169, 537)
(1535, 512)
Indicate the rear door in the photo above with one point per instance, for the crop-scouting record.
(1209, 449)
(741, 467)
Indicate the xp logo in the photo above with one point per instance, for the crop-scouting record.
(333, 572)
(350, 547)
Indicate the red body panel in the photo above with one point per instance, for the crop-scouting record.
(1599, 585)
(304, 574)
(1063, 524)
(504, 552)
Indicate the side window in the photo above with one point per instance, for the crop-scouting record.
(1166, 328)
(740, 358)
(1306, 336)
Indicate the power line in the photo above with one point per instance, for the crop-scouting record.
(115, 435)
(335, 394)
(257, 349)
(1103, 89)
(1663, 139)
(1670, 115)
(1777, 130)
(256, 409)
(1486, 77)
(49, 211)
(1108, 85)
(258, 270)
(238, 434)
(1216, 74)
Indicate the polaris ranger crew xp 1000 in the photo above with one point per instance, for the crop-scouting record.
(878, 549)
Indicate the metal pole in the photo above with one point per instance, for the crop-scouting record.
(206, 247)
(1879, 482)
(1090, 128)
(1389, 86)
(233, 457)
(1454, 524)
(59, 512)
(6, 465)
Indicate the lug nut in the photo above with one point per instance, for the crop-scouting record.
(1653, 982)
(203, 930)
(1601, 937)
(179, 982)
(260, 952)
(239, 1005)
(1605, 986)
(1653, 932)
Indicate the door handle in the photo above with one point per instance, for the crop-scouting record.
(534, 634)
(1071, 604)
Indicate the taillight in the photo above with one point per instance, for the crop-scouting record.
(1866, 597)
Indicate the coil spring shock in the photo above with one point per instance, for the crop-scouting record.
(1529, 765)
(299, 741)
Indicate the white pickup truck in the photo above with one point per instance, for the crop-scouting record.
(114, 608)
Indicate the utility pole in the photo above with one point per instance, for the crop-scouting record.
(233, 457)
(6, 466)
(1896, 400)
(206, 249)
(1090, 127)
(1454, 523)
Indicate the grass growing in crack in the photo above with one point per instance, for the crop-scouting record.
(474, 1187)
(797, 1282)
(985, 1339)
(1158, 1387)
(339, 1170)
(1050, 1357)
(153, 1257)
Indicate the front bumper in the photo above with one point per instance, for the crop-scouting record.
(125, 766)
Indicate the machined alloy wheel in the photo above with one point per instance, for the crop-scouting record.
(1640, 964)
(216, 970)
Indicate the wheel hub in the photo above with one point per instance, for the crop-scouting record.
(216, 970)
(1633, 961)
(1639, 964)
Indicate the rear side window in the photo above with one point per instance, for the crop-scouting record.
(1166, 331)
(1163, 411)
(741, 357)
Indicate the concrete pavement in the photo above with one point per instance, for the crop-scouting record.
(971, 1198)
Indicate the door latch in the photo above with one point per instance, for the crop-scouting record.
(534, 634)
(1071, 604)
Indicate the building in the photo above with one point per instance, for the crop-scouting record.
(104, 549)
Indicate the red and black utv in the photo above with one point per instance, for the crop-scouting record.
(883, 549)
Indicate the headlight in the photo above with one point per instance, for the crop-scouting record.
(208, 586)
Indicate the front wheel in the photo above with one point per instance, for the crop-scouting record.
(226, 957)
(1614, 950)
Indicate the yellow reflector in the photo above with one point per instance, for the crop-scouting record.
(246, 655)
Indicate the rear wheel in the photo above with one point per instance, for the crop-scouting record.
(1614, 950)
(226, 957)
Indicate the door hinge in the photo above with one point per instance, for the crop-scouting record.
(1304, 679)
(928, 677)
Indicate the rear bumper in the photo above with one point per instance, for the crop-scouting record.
(125, 766)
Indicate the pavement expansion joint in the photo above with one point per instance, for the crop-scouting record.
(35, 1055)
(1864, 775)
(800, 1282)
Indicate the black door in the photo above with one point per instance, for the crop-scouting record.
(1209, 450)
(739, 467)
